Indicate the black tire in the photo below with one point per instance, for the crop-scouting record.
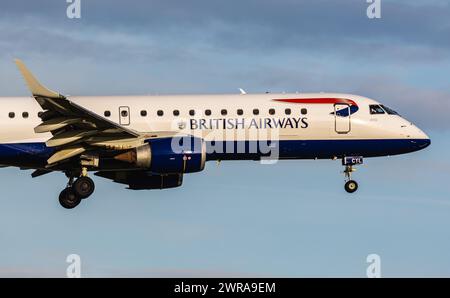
(351, 186)
(83, 187)
(68, 199)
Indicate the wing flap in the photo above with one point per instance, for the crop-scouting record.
(55, 124)
(68, 137)
(115, 143)
(65, 154)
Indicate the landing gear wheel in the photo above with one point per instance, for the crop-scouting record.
(83, 187)
(68, 199)
(351, 186)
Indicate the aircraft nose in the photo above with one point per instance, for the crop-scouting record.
(420, 138)
(422, 143)
(420, 134)
(416, 138)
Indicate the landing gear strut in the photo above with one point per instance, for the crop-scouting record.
(349, 162)
(82, 188)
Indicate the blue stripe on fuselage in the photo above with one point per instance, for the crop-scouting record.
(321, 149)
(25, 154)
(36, 154)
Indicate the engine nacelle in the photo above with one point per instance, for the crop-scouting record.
(143, 179)
(156, 181)
(168, 155)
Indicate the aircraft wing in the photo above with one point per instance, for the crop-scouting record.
(74, 128)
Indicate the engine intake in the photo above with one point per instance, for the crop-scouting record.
(168, 155)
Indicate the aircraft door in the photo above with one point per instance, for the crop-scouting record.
(124, 116)
(342, 118)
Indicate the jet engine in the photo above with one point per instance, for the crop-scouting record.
(168, 155)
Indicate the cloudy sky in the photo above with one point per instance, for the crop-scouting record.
(288, 219)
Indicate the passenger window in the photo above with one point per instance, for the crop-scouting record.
(107, 114)
(272, 111)
(240, 112)
(12, 115)
(176, 113)
(192, 112)
(304, 111)
(255, 112)
(143, 113)
(208, 112)
(389, 110)
(287, 111)
(224, 112)
(160, 113)
(25, 115)
(124, 113)
(375, 109)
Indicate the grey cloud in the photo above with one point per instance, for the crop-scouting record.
(427, 108)
(265, 25)
(218, 46)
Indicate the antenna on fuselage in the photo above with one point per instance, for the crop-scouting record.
(242, 91)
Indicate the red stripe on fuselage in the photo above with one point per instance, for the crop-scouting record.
(325, 100)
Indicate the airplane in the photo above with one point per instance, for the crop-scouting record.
(150, 142)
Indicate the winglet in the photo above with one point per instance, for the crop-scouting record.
(35, 87)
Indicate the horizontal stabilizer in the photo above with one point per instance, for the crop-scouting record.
(40, 172)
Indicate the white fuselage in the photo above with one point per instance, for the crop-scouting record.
(232, 127)
(317, 122)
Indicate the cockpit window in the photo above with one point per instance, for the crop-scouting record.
(389, 110)
(375, 109)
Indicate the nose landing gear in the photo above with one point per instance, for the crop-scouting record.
(349, 162)
(351, 186)
(76, 191)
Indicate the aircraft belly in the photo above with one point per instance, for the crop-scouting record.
(37, 154)
(24, 154)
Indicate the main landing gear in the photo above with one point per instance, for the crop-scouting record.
(349, 162)
(82, 188)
